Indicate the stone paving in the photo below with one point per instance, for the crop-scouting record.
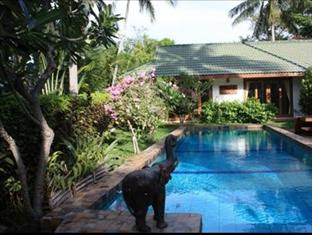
(306, 142)
(95, 221)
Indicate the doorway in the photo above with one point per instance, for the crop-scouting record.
(277, 92)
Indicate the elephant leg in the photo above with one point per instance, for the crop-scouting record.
(156, 214)
(140, 220)
(159, 209)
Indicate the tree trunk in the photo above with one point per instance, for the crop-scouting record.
(273, 33)
(73, 79)
(47, 136)
(199, 107)
(123, 35)
(21, 170)
(181, 117)
(134, 139)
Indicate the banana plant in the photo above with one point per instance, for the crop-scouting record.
(55, 84)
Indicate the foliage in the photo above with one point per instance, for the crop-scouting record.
(53, 103)
(139, 51)
(306, 92)
(181, 95)
(99, 97)
(286, 124)
(30, 29)
(300, 14)
(287, 16)
(68, 116)
(135, 100)
(88, 152)
(251, 111)
(193, 85)
(98, 66)
(9, 186)
(55, 84)
(177, 102)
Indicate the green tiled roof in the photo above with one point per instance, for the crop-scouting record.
(141, 69)
(234, 58)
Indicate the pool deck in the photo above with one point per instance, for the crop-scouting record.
(304, 141)
(95, 221)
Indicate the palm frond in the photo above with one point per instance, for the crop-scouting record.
(245, 10)
(147, 6)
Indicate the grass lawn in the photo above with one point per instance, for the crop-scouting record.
(124, 149)
(285, 124)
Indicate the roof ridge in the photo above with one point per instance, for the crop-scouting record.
(193, 44)
(272, 54)
(240, 42)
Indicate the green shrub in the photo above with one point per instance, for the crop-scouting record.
(99, 97)
(69, 117)
(251, 111)
(306, 92)
(53, 103)
(88, 153)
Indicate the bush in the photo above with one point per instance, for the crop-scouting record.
(69, 117)
(135, 101)
(251, 111)
(306, 92)
(88, 153)
(175, 100)
(100, 98)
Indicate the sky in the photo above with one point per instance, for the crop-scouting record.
(190, 21)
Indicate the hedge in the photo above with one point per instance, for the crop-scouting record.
(251, 111)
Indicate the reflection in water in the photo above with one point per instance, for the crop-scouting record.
(241, 181)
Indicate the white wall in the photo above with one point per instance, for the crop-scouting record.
(296, 95)
(239, 96)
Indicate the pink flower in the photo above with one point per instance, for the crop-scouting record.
(127, 80)
(142, 74)
(110, 112)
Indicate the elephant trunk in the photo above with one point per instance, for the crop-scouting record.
(170, 142)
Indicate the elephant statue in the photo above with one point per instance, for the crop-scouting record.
(145, 187)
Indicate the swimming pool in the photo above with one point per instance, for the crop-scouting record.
(240, 181)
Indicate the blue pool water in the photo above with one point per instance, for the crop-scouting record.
(240, 181)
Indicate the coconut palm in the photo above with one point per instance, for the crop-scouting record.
(299, 15)
(265, 13)
(144, 5)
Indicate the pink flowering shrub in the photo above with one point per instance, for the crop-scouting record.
(134, 99)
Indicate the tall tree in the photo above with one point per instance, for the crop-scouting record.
(144, 5)
(265, 13)
(299, 14)
(30, 29)
(90, 6)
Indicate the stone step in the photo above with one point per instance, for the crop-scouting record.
(92, 221)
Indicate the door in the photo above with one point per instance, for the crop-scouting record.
(275, 91)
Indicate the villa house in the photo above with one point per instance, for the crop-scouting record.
(269, 71)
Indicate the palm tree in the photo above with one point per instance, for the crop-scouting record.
(265, 13)
(144, 5)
